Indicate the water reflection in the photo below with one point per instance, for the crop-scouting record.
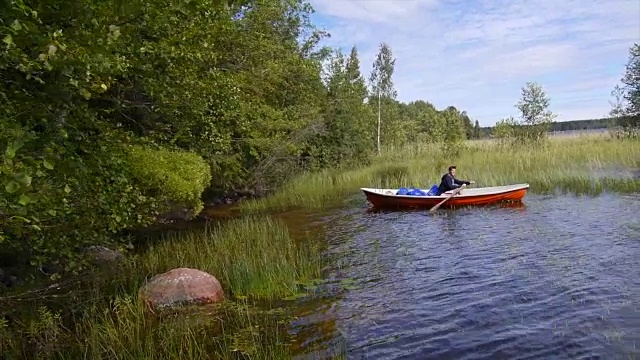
(505, 205)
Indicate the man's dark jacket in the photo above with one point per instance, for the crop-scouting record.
(448, 182)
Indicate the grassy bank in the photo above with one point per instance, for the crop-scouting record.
(578, 165)
(254, 258)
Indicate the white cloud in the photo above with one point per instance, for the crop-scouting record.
(477, 55)
(373, 11)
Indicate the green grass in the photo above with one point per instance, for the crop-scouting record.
(251, 256)
(124, 329)
(100, 317)
(577, 165)
(217, 332)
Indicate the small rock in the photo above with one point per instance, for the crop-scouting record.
(105, 255)
(8, 281)
(177, 212)
(181, 286)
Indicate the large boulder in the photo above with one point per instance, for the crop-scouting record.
(181, 286)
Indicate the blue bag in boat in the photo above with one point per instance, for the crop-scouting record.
(433, 191)
(402, 191)
(416, 192)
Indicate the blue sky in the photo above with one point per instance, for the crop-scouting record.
(476, 55)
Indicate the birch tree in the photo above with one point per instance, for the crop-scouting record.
(381, 82)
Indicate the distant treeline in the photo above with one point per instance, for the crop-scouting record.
(591, 124)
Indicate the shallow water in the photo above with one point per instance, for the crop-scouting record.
(558, 277)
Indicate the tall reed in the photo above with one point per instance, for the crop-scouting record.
(251, 256)
(578, 165)
(255, 259)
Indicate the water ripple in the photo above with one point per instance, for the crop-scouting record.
(559, 278)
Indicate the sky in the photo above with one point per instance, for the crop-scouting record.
(477, 54)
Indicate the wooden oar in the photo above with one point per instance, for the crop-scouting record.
(456, 191)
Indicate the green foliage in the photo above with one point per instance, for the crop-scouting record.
(571, 125)
(631, 81)
(177, 175)
(535, 120)
(84, 82)
(347, 136)
(626, 104)
(38, 336)
(383, 94)
(504, 131)
(428, 124)
(381, 78)
(535, 114)
(454, 131)
(56, 202)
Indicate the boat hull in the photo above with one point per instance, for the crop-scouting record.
(381, 198)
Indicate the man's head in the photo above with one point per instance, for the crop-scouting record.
(452, 170)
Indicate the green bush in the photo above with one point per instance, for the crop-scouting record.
(176, 176)
(55, 206)
(61, 196)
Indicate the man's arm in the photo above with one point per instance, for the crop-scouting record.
(461, 182)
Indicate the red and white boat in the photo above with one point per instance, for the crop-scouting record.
(387, 198)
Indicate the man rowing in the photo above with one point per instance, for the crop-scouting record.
(449, 181)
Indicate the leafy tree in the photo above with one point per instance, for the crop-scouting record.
(618, 103)
(426, 118)
(468, 125)
(535, 113)
(382, 88)
(535, 119)
(454, 124)
(504, 131)
(476, 130)
(346, 139)
(631, 81)
(361, 114)
(626, 104)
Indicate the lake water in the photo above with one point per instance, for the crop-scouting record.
(556, 278)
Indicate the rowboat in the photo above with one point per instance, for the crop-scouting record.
(387, 198)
